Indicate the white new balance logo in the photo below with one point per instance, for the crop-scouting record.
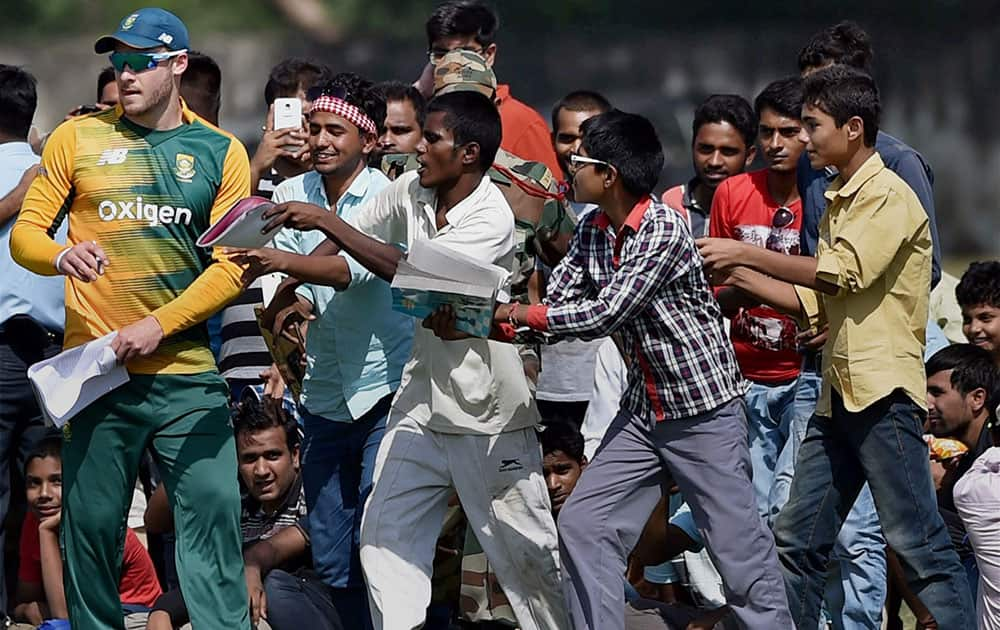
(112, 156)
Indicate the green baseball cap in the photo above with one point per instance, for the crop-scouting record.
(147, 28)
(464, 71)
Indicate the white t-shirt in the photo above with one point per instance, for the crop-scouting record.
(977, 499)
(610, 377)
(567, 366)
(470, 386)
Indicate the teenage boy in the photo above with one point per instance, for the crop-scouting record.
(563, 461)
(355, 347)
(472, 25)
(138, 184)
(633, 269)
(762, 209)
(722, 145)
(463, 418)
(978, 294)
(869, 283)
(40, 592)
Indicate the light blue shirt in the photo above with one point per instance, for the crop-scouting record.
(21, 291)
(357, 345)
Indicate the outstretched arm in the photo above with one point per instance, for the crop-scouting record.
(380, 258)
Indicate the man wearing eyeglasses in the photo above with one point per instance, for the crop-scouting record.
(138, 184)
(472, 25)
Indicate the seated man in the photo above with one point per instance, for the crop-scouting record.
(272, 522)
(40, 575)
(962, 383)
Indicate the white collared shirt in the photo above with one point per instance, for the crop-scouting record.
(469, 386)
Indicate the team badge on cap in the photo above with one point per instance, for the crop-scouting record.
(184, 167)
(129, 21)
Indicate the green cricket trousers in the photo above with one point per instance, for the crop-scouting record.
(185, 419)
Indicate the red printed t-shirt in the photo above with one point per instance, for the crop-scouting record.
(764, 340)
(138, 584)
(525, 133)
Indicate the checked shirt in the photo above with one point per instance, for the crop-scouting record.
(647, 285)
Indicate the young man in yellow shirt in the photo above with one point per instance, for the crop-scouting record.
(138, 184)
(868, 281)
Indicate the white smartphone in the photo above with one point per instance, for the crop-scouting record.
(287, 113)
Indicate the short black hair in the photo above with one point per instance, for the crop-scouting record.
(203, 68)
(106, 76)
(293, 74)
(972, 368)
(562, 436)
(980, 284)
(727, 108)
(204, 77)
(471, 117)
(396, 91)
(463, 18)
(18, 100)
(46, 447)
(844, 92)
(580, 101)
(783, 96)
(252, 415)
(629, 143)
(844, 43)
(361, 93)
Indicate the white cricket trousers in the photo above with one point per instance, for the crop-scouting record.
(499, 482)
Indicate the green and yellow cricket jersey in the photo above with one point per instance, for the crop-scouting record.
(144, 196)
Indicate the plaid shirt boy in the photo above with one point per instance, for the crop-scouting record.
(646, 284)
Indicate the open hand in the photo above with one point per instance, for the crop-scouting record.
(258, 598)
(258, 262)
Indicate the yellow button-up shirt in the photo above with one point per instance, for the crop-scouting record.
(875, 246)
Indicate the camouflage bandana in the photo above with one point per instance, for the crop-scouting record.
(464, 71)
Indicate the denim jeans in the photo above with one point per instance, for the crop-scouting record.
(770, 412)
(882, 444)
(295, 603)
(338, 461)
(856, 585)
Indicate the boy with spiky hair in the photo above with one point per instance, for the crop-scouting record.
(978, 293)
(869, 283)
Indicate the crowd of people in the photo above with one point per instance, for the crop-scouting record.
(754, 399)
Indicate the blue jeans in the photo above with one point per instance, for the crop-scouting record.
(770, 411)
(882, 444)
(855, 588)
(856, 585)
(338, 460)
(295, 602)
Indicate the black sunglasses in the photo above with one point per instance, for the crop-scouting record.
(336, 91)
(783, 217)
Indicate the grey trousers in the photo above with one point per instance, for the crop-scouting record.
(709, 458)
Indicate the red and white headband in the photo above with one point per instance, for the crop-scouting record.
(345, 110)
